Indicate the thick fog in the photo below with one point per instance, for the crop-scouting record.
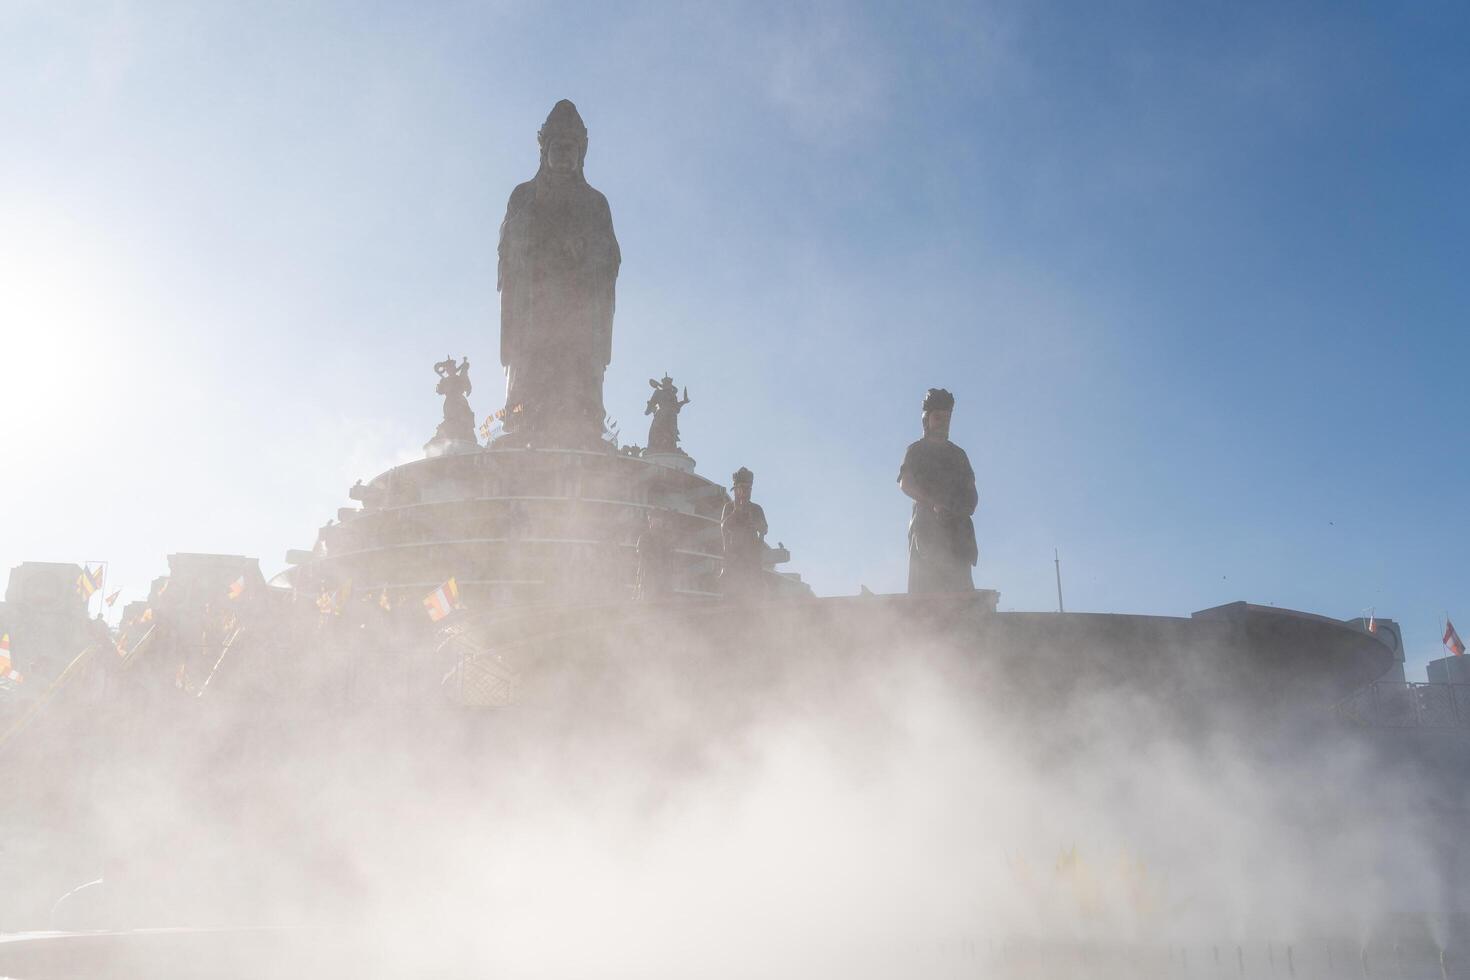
(697, 793)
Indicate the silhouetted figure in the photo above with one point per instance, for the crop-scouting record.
(664, 405)
(743, 530)
(459, 421)
(937, 474)
(558, 271)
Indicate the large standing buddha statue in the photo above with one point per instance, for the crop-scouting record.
(558, 273)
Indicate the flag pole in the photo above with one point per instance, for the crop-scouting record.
(101, 587)
(1057, 561)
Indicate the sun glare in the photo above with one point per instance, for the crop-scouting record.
(61, 305)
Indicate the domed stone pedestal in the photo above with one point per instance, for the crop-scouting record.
(525, 526)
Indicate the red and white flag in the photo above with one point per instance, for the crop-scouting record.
(1452, 641)
(443, 600)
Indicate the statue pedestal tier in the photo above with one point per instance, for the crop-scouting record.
(518, 526)
(676, 461)
(449, 447)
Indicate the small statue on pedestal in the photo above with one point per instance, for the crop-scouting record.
(459, 421)
(937, 475)
(654, 553)
(664, 405)
(743, 530)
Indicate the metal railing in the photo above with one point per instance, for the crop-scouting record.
(1407, 704)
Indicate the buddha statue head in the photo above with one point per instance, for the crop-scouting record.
(563, 139)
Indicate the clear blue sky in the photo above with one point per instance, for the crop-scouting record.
(1196, 274)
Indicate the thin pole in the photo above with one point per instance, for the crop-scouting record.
(101, 588)
(1057, 561)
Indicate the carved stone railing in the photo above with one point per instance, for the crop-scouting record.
(1407, 704)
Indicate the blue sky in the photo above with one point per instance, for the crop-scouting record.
(1194, 272)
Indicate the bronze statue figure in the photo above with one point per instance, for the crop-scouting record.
(454, 385)
(664, 405)
(557, 276)
(937, 475)
(743, 531)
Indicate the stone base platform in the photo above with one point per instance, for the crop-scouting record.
(515, 526)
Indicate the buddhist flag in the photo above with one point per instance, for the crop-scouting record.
(89, 581)
(6, 670)
(237, 587)
(112, 598)
(495, 422)
(443, 600)
(1452, 641)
